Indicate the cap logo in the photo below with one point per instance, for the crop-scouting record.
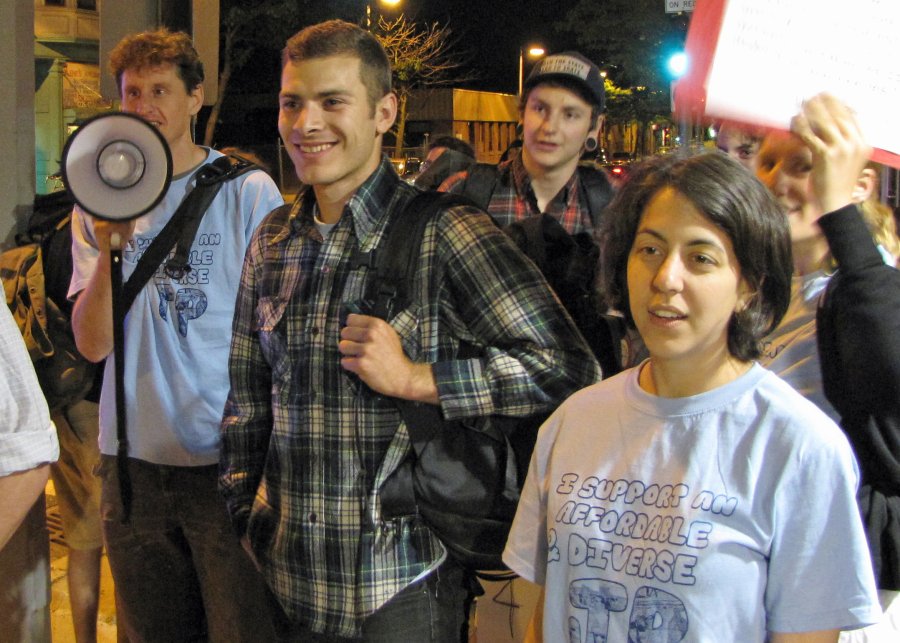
(565, 65)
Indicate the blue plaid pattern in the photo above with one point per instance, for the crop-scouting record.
(306, 446)
(513, 198)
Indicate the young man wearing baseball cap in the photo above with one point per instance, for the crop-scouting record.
(561, 110)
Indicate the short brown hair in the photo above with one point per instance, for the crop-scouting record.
(154, 48)
(340, 38)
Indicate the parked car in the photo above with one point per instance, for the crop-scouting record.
(399, 165)
(413, 165)
(618, 167)
(407, 168)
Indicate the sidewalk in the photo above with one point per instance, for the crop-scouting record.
(60, 613)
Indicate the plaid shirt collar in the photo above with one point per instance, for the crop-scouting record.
(367, 205)
(566, 198)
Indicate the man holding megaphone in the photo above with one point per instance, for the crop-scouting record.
(179, 570)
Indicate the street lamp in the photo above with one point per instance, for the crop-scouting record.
(387, 3)
(533, 51)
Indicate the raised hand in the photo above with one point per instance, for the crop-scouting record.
(830, 129)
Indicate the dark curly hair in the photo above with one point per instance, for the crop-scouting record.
(732, 199)
(154, 48)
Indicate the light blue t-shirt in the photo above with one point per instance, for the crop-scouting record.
(791, 351)
(178, 334)
(714, 517)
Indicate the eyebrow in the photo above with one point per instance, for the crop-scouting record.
(692, 243)
(328, 93)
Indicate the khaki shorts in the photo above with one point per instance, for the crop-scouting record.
(77, 486)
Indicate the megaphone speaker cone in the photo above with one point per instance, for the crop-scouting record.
(117, 166)
(121, 164)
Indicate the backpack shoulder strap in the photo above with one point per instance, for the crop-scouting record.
(398, 254)
(597, 191)
(182, 227)
(480, 183)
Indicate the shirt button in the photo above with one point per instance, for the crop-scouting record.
(314, 331)
(326, 270)
(312, 516)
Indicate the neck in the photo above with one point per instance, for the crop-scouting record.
(667, 378)
(809, 255)
(547, 182)
(331, 205)
(186, 155)
(332, 197)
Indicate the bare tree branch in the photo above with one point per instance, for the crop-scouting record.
(245, 27)
(421, 56)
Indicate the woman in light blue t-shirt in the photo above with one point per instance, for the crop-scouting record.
(697, 496)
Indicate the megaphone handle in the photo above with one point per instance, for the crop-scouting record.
(118, 321)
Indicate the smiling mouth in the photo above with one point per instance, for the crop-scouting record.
(314, 149)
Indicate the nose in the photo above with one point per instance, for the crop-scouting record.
(550, 121)
(139, 105)
(309, 119)
(669, 275)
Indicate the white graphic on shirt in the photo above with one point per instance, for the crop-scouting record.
(187, 302)
(631, 528)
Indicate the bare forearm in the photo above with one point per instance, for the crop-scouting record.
(18, 491)
(92, 314)
(822, 636)
(421, 385)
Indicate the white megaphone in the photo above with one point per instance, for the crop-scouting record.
(117, 166)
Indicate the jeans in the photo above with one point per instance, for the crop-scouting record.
(179, 570)
(431, 610)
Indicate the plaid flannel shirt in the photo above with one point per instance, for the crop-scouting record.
(306, 446)
(513, 198)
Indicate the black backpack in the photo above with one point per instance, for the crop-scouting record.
(463, 477)
(569, 262)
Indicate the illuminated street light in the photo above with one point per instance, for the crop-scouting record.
(387, 3)
(534, 51)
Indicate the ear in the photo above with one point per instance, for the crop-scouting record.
(595, 130)
(196, 99)
(745, 296)
(385, 112)
(865, 185)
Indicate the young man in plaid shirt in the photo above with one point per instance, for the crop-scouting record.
(311, 431)
(562, 112)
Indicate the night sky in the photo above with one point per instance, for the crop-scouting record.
(490, 33)
(495, 29)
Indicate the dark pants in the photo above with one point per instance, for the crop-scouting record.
(431, 610)
(179, 570)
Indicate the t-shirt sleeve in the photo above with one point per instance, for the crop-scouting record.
(819, 541)
(84, 252)
(259, 196)
(27, 436)
(527, 548)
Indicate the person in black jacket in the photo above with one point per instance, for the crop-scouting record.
(839, 341)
